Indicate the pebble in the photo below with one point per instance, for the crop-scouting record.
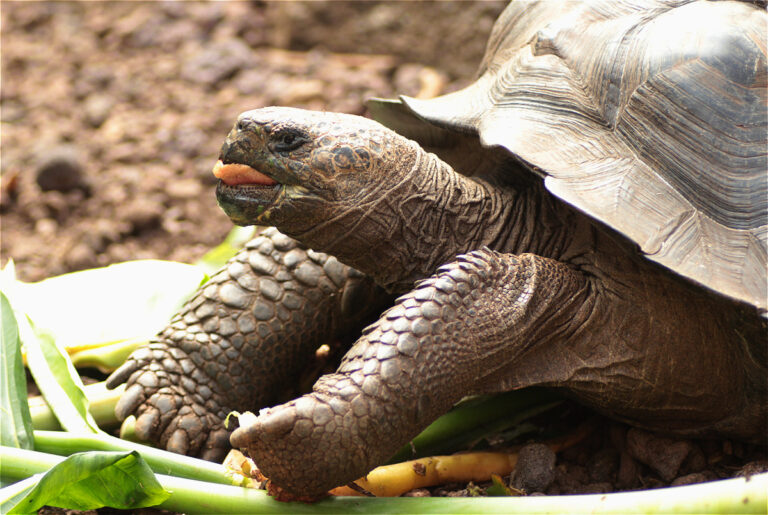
(81, 257)
(97, 109)
(46, 227)
(218, 62)
(60, 169)
(143, 214)
(535, 468)
(663, 455)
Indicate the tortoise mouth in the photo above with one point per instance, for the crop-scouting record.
(234, 174)
(244, 193)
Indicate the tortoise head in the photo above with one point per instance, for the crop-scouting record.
(302, 170)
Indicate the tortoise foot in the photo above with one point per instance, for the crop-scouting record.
(173, 409)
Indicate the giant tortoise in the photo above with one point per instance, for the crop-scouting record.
(589, 215)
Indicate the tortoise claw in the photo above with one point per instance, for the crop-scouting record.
(178, 442)
(135, 362)
(129, 401)
(146, 424)
(217, 445)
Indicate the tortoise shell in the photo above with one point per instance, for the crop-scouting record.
(649, 117)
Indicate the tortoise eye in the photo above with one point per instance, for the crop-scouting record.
(287, 140)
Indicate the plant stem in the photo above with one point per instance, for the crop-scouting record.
(101, 405)
(727, 496)
(64, 444)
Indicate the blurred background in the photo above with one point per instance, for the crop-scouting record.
(113, 112)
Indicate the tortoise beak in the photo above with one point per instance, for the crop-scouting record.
(242, 146)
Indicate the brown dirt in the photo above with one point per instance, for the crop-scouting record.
(113, 113)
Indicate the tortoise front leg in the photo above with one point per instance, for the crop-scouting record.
(241, 342)
(456, 333)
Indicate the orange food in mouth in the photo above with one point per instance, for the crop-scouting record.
(234, 174)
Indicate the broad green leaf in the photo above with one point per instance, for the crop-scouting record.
(90, 480)
(15, 419)
(59, 382)
(218, 256)
(12, 494)
(132, 300)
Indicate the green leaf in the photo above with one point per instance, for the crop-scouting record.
(90, 480)
(16, 421)
(12, 494)
(132, 300)
(498, 488)
(473, 419)
(59, 382)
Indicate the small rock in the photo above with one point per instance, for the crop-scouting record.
(143, 214)
(664, 455)
(219, 61)
(80, 257)
(46, 227)
(97, 109)
(695, 462)
(535, 468)
(60, 169)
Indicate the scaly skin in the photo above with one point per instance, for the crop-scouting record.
(407, 369)
(257, 322)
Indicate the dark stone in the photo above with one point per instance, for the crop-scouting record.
(535, 468)
(664, 455)
(60, 169)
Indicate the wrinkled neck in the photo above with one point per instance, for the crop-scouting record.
(431, 214)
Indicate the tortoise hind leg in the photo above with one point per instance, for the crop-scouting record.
(456, 333)
(240, 342)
